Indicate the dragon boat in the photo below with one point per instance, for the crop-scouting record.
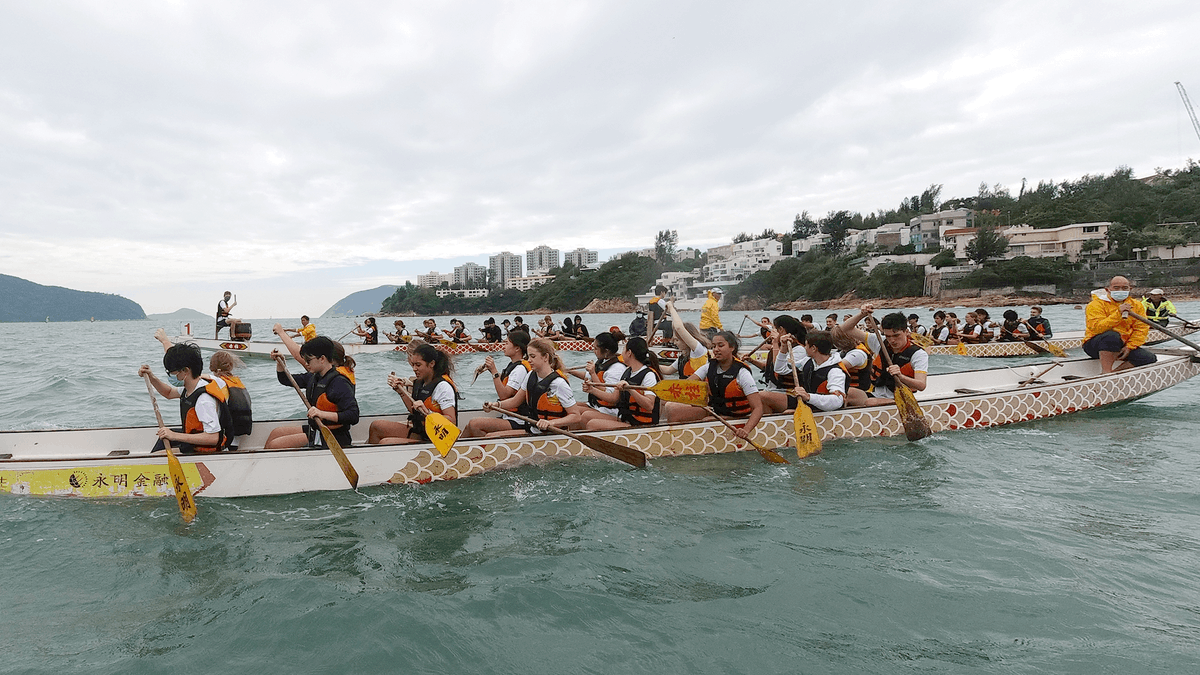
(1064, 340)
(104, 463)
(263, 348)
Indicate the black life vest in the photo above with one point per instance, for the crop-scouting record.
(315, 391)
(537, 395)
(239, 406)
(522, 409)
(192, 423)
(629, 410)
(423, 393)
(859, 378)
(725, 394)
(372, 337)
(816, 380)
(1040, 324)
(601, 368)
(882, 378)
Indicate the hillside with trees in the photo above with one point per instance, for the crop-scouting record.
(25, 300)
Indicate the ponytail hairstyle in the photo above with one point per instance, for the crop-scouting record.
(440, 360)
(790, 325)
(637, 347)
(340, 360)
(700, 337)
(731, 339)
(224, 362)
(607, 343)
(546, 347)
(520, 339)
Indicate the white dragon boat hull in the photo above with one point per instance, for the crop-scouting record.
(1066, 340)
(116, 463)
(262, 348)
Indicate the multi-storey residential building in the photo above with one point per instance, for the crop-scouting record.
(470, 274)
(434, 279)
(1025, 240)
(463, 292)
(926, 230)
(744, 258)
(891, 235)
(503, 267)
(526, 283)
(581, 258)
(541, 259)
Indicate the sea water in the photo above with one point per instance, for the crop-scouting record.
(1066, 545)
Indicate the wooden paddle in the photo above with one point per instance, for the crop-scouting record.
(691, 392)
(615, 450)
(808, 438)
(1038, 376)
(1050, 347)
(769, 455)
(183, 493)
(961, 349)
(1164, 331)
(916, 426)
(334, 447)
(921, 340)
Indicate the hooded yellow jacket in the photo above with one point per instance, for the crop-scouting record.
(709, 314)
(1104, 314)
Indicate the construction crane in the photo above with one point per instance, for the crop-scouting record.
(1188, 104)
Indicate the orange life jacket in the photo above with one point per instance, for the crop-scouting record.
(543, 404)
(630, 411)
(725, 394)
(192, 423)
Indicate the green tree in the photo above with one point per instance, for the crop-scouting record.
(804, 226)
(944, 259)
(988, 243)
(835, 225)
(664, 246)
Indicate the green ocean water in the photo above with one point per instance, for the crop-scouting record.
(1066, 545)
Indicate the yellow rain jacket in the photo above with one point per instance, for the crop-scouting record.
(709, 314)
(1104, 314)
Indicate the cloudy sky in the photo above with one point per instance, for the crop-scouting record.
(295, 152)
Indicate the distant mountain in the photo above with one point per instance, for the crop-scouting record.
(180, 316)
(362, 302)
(27, 301)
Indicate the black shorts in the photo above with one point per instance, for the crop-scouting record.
(222, 323)
(1110, 341)
(518, 425)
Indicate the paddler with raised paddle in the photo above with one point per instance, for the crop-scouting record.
(909, 364)
(1111, 334)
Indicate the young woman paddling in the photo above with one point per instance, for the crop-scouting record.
(507, 383)
(369, 333)
(692, 345)
(329, 388)
(546, 390)
(731, 387)
(432, 391)
(607, 368)
(634, 407)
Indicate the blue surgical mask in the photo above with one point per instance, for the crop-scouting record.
(1119, 296)
(175, 381)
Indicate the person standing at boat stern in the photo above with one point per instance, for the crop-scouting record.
(203, 402)
(307, 329)
(910, 363)
(1111, 335)
(329, 388)
(710, 314)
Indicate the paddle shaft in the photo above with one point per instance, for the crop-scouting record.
(612, 449)
(336, 448)
(1039, 375)
(183, 492)
(1164, 331)
(769, 455)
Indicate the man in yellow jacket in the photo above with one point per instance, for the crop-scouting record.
(1111, 334)
(710, 318)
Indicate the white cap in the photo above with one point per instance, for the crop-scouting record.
(717, 290)
(1157, 291)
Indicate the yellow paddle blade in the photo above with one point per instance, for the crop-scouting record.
(183, 493)
(691, 392)
(441, 431)
(808, 437)
(916, 426)
(961, 349)
(921, 340)
(1055, 350)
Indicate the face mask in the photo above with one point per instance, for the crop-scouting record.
(175, 381)
(1119, 296)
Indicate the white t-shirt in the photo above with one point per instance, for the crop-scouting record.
(206, 407)
(612, 376)
(516, 380)
(744, 379)
(919, 361)
(784, 367)
(941, 334)
(855, 359)
(443, 395)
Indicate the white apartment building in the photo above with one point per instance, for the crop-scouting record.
(463, 292)
(745, 258)
(891, 235)
(926, 230)
(1026, 240)
(470, 273)
(541, 259)
(526, 283)
(720, 253)
(581, 258)
(503, 267)
(813, 241)
(434, 279)
(686, 254)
